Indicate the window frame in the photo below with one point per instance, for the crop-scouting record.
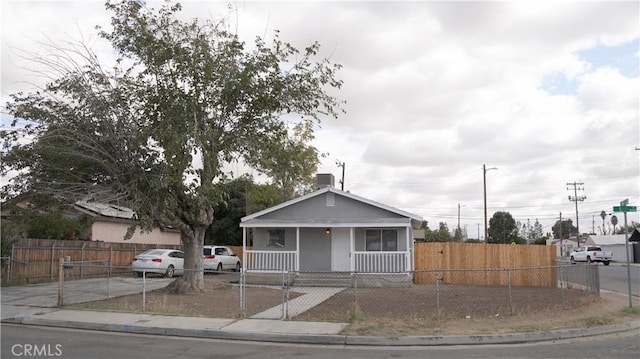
(276, 238)
(381, 241)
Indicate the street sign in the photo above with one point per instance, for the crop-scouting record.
(624, 208)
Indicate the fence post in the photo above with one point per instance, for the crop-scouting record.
(144, 289)
(28, 264)
(110, 257)
(242, 278)
(11, 261)
(510, 296)
(437, 291)
(61, 281)
(560, 274)
(81, 259)
(53, 251)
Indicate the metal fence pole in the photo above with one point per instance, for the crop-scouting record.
(437, 291)
(144, 289)
(510, 294)
(560, 274)
(242, 285)
(53, 251)
(108, 278)
(61, 282)
(11, 262)
(81, 259)
(284, 298)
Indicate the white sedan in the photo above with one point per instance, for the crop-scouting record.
(167, 262)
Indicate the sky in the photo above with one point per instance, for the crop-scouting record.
(542, 94)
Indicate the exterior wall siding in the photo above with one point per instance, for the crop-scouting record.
(114, 232)
(343, 208)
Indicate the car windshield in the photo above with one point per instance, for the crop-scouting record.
(206, 251)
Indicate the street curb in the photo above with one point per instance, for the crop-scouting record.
(451, 340)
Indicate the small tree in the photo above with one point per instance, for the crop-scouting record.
(567, 229)
(603, 215)
(503, 228)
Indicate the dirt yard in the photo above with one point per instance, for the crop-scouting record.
(412, 310)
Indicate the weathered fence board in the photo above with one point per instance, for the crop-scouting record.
(36, 260)
(458, 261)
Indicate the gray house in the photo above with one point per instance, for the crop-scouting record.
(330, 230)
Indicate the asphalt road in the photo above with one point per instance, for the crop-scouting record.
(614, 277)
(69, 343)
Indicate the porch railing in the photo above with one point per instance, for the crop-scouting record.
(271, 260)
(381, 262)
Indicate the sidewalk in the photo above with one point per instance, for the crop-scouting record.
(36, 305)
(262, 330)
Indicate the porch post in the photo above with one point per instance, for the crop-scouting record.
(244, 249)
(297, 249)
(409, 251)
(352, 247)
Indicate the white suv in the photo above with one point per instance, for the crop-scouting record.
(219, 258)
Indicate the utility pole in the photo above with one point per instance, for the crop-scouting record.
(561, 242)
(575, 198)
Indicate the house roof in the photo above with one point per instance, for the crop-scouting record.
(255, 220)
(607, 240)
(104, 209)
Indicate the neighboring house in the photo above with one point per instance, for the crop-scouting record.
(330, 230)
(564, 246)
(111, 222)
(612, 243)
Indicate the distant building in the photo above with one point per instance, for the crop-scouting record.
(612, 243)
(111, 222)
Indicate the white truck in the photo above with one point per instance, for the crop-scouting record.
(591, 254)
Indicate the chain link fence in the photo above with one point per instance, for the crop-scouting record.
(90, 281)
(346, 296)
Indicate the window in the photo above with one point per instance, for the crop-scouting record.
(276, 238)
(381, 240)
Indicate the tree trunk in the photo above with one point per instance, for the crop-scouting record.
(193, 278)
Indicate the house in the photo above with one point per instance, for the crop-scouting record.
(563, 246)
(612, 243)
(330, 230)
(111, 222)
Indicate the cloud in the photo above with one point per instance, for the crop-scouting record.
(435, 90)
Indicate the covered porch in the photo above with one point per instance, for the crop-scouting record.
(380, 247)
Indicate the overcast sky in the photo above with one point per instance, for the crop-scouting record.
(548, 93)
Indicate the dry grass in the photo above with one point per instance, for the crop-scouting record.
(394, 311)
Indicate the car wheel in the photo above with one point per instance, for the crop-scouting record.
(219, 269)
(606, 263)
(588, 259)
(573, 261)
(170, 271)
(238, 267)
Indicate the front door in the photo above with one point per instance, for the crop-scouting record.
(340, 249)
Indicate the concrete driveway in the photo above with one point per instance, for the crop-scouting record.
(36, 298)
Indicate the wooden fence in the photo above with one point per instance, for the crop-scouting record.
(485, 264)
(36, 260)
